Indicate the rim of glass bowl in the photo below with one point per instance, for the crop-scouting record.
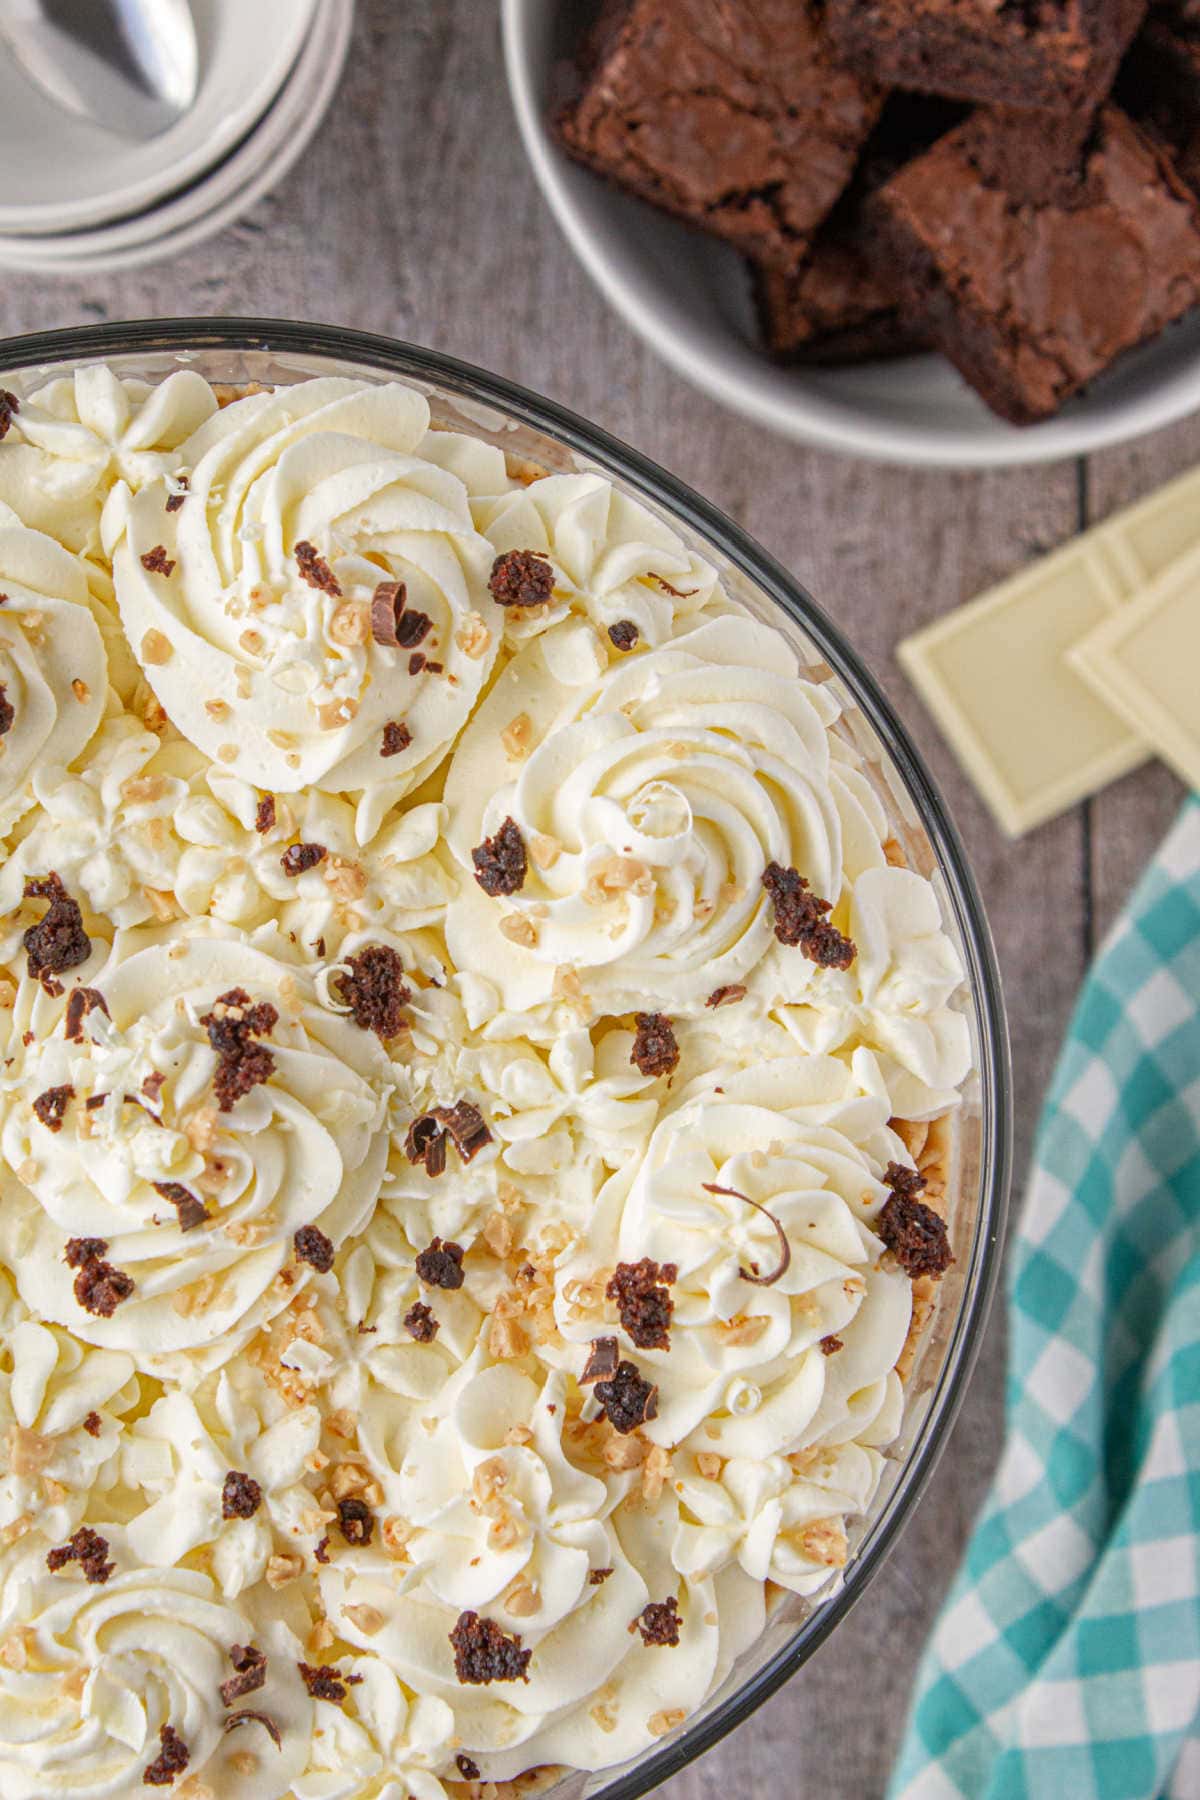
(394, 357)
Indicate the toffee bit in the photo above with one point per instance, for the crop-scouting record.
(659, 1623)
(912, 1231)
(727, 996)
(466, 1126)
(264, 817)
(172, 1759)
(624, 634)
(157, 562)
(315, 570)
(241, 1496)
(93, 1424)
(299, 857)
(628, 1399)
(521, 578)
(800, 919)
(246, 1717)
(420, 1323)
(356, 1521)
(426, 1143)
(484, 1653)
(10, 406)
(597, 1576)
(387, 606)
(51, 1107)
(441, 1265)
(313, 1247)
(375, 990)
(89, 1550)
(602, 1361)
(233, 1025)
(58, 941)
(500, 861)
(327, 1683)
(643, 1304)
(396, 738)
(655, 1048)
(189, 1207)
(251, 1666)
(467, 1769)
(80, 1002)
(829, 1346)
(413, 629)
(176, 500)
(785, 1248)
(7, 711)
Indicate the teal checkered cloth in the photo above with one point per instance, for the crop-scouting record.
(1066, 1662)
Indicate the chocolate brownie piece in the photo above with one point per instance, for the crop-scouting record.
(1159, 83)
(1059, 55)
(740, 119)
(1031, 302)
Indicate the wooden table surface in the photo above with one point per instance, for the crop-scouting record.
(414, 213)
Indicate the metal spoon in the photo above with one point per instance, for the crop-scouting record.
(129, 65)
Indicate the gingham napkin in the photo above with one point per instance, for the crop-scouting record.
(1066, 1662)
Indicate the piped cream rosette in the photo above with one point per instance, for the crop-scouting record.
(381, 1744)
(91, 1673)
(304, 1147)
(283, 679)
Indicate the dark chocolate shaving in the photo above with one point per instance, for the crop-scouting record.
(602, 1361)
(665, 585)
(426, 1143)
(387, 605)
(726, 996)
(7, 711)
(413, 629)
(189, 1207)
(176, 500)
(467, 1769)
(785, 1248)
(80, 1002)
(466, 1126)
(247, 1717)
(51, 1107)
(251, 1666)
(10, 406)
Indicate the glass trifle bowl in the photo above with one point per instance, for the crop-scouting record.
(504, 1134)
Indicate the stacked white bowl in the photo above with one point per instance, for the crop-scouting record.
(78, 199)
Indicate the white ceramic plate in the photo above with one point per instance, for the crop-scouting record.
(60, 173)
(257, 165)
(689, 298)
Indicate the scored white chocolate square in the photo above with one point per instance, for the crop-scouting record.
(1034, 735)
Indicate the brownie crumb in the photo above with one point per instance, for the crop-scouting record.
(327, 1683)
(89, 1550)
(93, 1424)
(602, 1361)
(467, 1769)
(829, 1346)
(315, 570)
(441, 1265)
(171, 1760)
(51, 1107)
(500, 863)
(643, 1304)
(426, 1143)
(375, 990)
(521, 578)
(10, 406)
(83, 1250)
(387, 606)
(80, 1002)
(912, 1231)
(232, 1026)
(800, 919)
(99, 1288)
(313, 1247)
(241, 1496)
(189, 1207)
(58, 941)
(176, 500)
(264, 818)
(251, 1666)
(356, 1521)
(396, 738)
(7, 711)
(726, 996)
(467, 1127)
(413, 629)
(655, 1049)
(598, 1576)
(420, 1323)
(659, 1623)
(628, 1400)
(624, 634)
(299, 857)
(157, 561)
(483, 1652)
(416, 662)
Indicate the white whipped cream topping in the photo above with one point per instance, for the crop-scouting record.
(382, 1745)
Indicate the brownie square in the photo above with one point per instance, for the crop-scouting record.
(1160, 83)
(741, 119)
(1032, 301)
(1058, 55)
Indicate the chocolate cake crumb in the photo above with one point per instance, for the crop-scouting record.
(624, 634)
(396, 738)
(89, 1550)
(387, 606)
(483, 1652)
(413, 629)
(51, 1107)
(327, 1683)
(467, 1769)
(315, 570)
(313, 1247)
(7, 711)
(655, 1049)
(912, 1231)
(93, 1424)
(171, 1760)
(264, 817)
(466, 1126)
(727, 996)
(628, 1400)
(80, 1002)
(251, 1666)
(375, 990)
(58, 941)
(521, 578)
(83, 1250)
(500, 863)
(441, 1265)
(247, 1717)
(157, 561)
(643, 1304)
(356, 1521)
(10, 406)
(420, 1323)
(659, 1623)
(176, 500)
(829, 1346)
(232, 1026)
(99, 1288)
(299, 857)
(426, 1143)
(189, 1207)
(597, 1576)
(416, 662)
(241, 1496)
(602, 1361)
(800, 919)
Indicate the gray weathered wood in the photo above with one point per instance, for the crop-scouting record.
(414, 213)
